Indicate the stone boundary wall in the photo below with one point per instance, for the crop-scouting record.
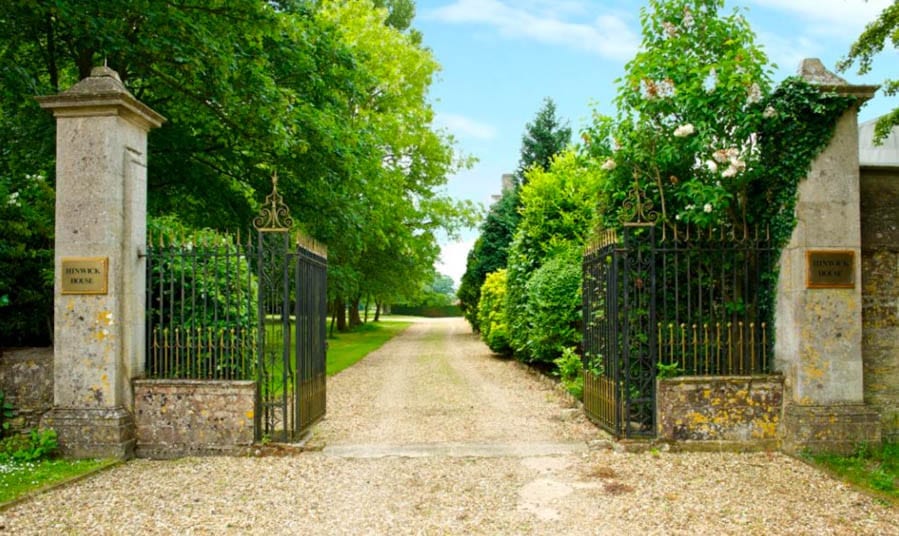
(880, 295)
(26, 378)
(741, 411)
(176, 418)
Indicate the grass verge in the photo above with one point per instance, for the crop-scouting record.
(873, 469)
(18, 479)
(345, 349)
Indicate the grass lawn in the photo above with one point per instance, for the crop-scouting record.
(345, 349)
(17, 479)
(876, 470)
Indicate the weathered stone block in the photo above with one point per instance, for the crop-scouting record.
(880, 294)
(833, 428)
(26, 378)
(737, 409)
(92, 432)
(190, 417)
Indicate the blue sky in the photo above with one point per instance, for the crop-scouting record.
(500, 58)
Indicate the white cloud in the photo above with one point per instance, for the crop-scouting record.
(788, 52)
(607, 35)
(453, 257)
(465, 126)
(831, 16)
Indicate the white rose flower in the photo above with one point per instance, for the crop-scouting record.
(713, 167)
(769, 112)
(609, 165)
(707, 208)
(731, 171)
(684, 130)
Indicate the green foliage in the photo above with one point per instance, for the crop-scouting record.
(543, 139)
(878, 34)
(332, 95)
(668, 370)
(557, 214)
(438, 292)
(571, 371)
(687, 117)
(554, 307)
(489, 254)
(26, 259)
(872, 468)
(35, 445)
(492, 314)
(798, 126)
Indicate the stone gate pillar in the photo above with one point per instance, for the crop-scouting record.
(819, 302)
(99, 297)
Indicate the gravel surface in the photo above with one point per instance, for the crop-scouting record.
(433, 435)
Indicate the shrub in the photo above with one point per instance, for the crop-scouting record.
(492, 314)
(571, 372)
(26, 261)
(33, 446)
(554, 306)
(558, 208)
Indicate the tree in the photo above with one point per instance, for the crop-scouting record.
(870, 43)
(488, 254)
(558, 211)
(545, 137)
(331, 95)
(395, 200)
(689, 110)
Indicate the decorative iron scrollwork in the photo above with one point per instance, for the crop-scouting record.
(274, 214)
(637, 210)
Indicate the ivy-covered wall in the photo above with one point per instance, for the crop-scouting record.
(880, 294)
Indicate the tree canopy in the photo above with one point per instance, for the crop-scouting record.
(330, 95)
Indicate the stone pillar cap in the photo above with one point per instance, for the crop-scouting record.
(102, 90)
(812, 70)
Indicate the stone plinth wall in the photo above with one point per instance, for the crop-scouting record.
(880, 295)
(186, 417)
(740, 410)
(26, 378)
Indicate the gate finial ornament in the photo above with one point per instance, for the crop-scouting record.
(274, 214)
(637, 210)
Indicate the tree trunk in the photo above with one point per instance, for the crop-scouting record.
(377, 311)
(365, 317)
(340, 313)
(355, 319)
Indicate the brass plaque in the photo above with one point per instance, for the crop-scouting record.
(831, 269)
(85, 275)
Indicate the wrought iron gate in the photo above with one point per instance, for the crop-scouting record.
(619, 343)
(662, 300)
(220, 308)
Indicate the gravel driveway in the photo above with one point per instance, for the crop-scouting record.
(433, 435)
